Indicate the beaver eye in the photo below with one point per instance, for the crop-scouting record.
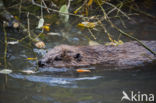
(49, 60)
(78, 57)
(57, 58)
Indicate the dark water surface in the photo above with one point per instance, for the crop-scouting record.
(64, 85)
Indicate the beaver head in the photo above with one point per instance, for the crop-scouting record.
(61, 56)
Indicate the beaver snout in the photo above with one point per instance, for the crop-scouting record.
(41, 63)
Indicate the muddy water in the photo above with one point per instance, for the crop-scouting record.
(64, 85)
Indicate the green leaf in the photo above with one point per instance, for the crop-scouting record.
(5, 71)
(64, 9)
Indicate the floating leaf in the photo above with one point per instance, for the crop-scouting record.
(28, 71)
(91, 42)
(87, 24)
(52, 33)
(40, 23)
(120, 42)
(5, 71)
(111, 43)
(46, 27)
(13, 42)
(40, 44)
(64, 9)
(16, 24)
(82, 70)
(115, 43)
(31, 58)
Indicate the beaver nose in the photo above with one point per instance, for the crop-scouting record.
(41, 63)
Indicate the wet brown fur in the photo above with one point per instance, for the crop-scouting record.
(128, 55)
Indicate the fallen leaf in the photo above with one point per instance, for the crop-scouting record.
(115, 43)
(111, 43)
(28, 71)
(40, 23)
(40, 44)
(17, 18)
(31, 58)
(82, 70)
(76, 11)
(46, 27)
(5, 71)
(52, 33)
(16, 24)
(13, 42)
(90, 2)
(64, 9)
(91, 43)
(87, 24)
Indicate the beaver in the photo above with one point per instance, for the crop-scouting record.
(128, 55)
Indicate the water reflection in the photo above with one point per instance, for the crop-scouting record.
(68, 82)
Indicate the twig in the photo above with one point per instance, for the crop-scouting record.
(68, 4)
(45, 6)
(118, 10)
(19, 9)
(34, 3)
(29, 31)
(6, 46)
(144, 13)
(37, 66)
(122, 32)
(92, 34)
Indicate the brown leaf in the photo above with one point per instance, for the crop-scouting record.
(40, 44)
(82, 70)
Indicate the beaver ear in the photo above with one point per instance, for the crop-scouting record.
(78, 57)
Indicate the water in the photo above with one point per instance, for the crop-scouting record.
(64, 85)
(99, 87)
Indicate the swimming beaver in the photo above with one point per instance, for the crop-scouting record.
(127, 55)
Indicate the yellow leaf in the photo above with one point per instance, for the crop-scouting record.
(87, 24)
(31, 58)
(82, 70)
(76, 11)
(110, 43)
(90, 2)
(16, 17)
(120, 42)
(46, 27)
(93, 43)
(115, 43)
